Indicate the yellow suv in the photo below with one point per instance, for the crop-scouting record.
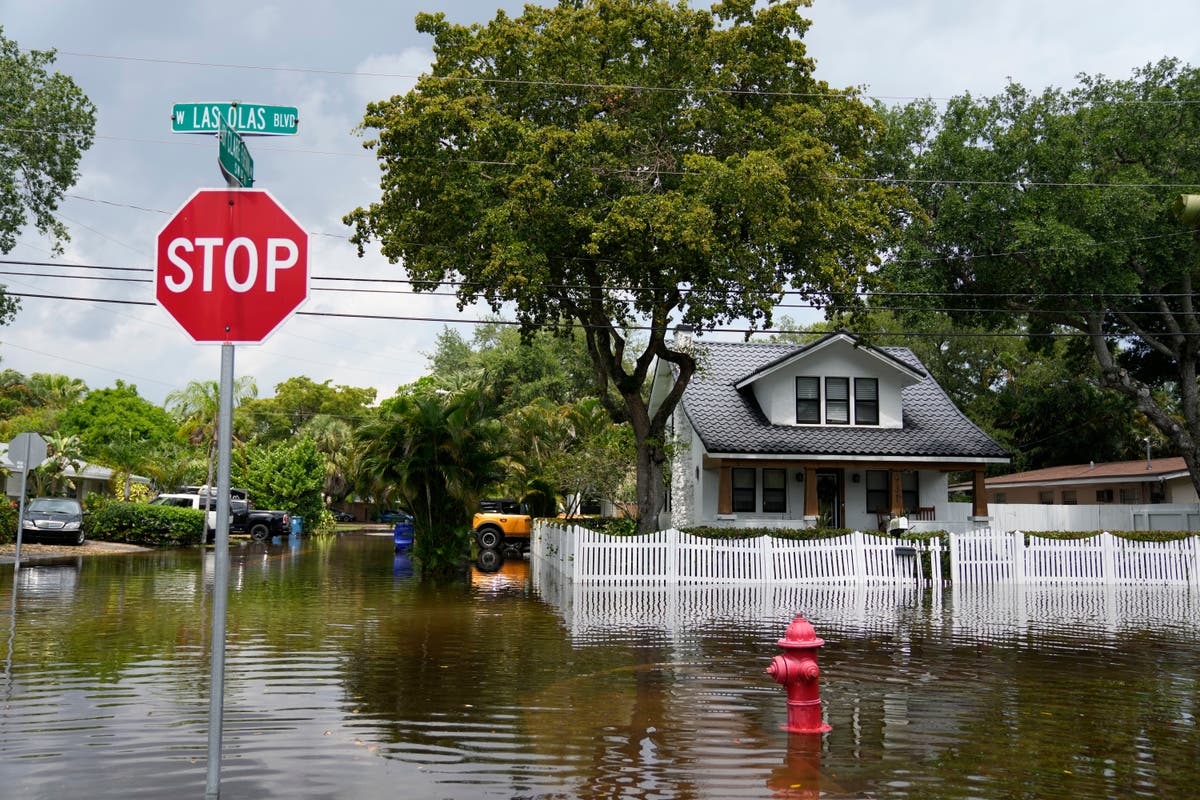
(502, 522)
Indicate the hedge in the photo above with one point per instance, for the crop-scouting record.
(144, 524)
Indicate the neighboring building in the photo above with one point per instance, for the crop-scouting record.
(836, 431)
(1141, 482)
(87, 479)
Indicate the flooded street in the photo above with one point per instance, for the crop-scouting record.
(346, 679)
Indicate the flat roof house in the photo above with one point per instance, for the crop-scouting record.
(1141, 482)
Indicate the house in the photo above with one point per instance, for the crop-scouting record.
(1141, 482)
(88, 478)
(834, 432)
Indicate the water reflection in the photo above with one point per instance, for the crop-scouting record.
(348, 679)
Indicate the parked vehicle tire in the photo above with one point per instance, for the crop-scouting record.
(79, 537)
(489, 560)
(489, 538)
(260, 532)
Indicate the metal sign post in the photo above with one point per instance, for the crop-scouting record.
(32, 448)
(216, 699)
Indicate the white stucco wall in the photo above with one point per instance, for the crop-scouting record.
(776, 392)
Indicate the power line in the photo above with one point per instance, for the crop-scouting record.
(575, 324)
(586, 85)
(865, 294)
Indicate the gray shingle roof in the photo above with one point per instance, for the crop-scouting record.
(730, 421)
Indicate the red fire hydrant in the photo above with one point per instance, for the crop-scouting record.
(797, 670)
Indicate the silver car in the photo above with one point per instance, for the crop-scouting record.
(57, 518)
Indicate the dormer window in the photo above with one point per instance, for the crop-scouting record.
(834, 403)
(808, 400)
(837, 401)
(866, 401)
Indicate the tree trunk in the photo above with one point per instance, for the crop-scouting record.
(651, 489)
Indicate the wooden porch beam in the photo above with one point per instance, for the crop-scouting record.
(979, 506)
(811, 507)
(725, 490)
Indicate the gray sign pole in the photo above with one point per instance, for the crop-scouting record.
(216, 700)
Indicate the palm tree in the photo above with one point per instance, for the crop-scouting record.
(440, 452)
(62, 452)
(58, 391)
(197, 409)
(333, 438)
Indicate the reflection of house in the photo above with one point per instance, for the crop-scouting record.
(87, 479)
(1160, 480)
(832, 430)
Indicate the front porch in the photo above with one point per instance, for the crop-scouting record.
(805, 493)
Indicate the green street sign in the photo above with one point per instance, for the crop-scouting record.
(233, 157)
(251, 119)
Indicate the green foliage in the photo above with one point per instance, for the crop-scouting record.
(8, 523)
(439, 452)
(285, 477)
(516, 369)
(116, 426)
(1051, 212)
(139, 523)
(35, 169)
(300, 400)
(608, 205)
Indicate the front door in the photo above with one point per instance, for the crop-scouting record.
(829, 497)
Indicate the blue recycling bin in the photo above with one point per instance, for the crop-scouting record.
(297, 525)
(402, 535)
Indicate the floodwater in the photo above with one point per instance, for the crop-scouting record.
(346, 679)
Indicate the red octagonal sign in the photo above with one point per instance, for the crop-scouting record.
(231, 265)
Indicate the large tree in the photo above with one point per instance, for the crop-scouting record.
(615, 163)
(1053, 210)
(48, 123)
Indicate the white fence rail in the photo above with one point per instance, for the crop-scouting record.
(672, 557)
(995, 557)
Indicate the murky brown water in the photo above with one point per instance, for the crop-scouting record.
(345, 679)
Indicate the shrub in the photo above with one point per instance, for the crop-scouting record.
(139, 523)
(8, 523)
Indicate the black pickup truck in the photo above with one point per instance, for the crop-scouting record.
(260, 524)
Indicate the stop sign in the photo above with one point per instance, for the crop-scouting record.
(231, 265)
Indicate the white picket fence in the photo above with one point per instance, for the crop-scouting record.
(994, 557)
(673, 557)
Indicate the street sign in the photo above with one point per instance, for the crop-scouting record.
(231, 265)
(27, 449)
(253, 119)
(233, 157)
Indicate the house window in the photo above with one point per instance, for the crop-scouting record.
(837, 401)
(1068, 497)
(911, 490)
(1046, 497)
(1104, 495)
(743, 489)
(1131, 496)
(877, 491)
(774, 490)
(808, 401)
(866, 401)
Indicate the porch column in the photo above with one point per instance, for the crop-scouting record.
(896, 492)
(725, 491)
(979, 506)
(811, 506)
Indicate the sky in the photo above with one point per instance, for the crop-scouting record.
(135, 59)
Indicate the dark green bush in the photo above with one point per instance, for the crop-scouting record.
(8, 523)
(140, 523)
